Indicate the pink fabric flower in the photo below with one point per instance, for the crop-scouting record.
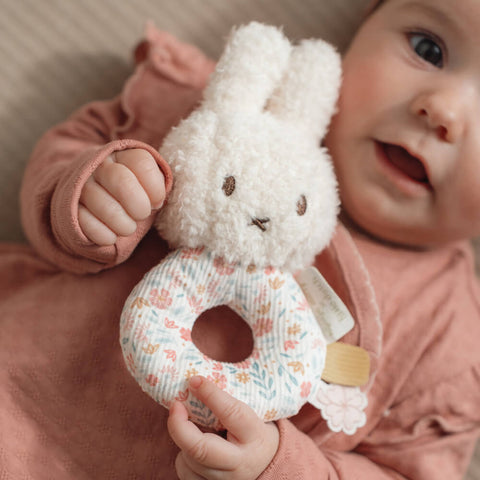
(182, 396)
(290, 344)
(195, 304)
(305, 389)
(161, 299)
(222, 267)
(218, 379)
(152, 380)
(269, 270)
(262, 326)
(342, 407)
(244, 364)
(186, 334)
(193, 253)
(171, 354)
(170, 323)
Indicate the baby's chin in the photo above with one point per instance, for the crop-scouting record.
(384, 232)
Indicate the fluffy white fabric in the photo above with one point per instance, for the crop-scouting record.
(264, 113)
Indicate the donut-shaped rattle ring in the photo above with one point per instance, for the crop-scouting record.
(289, 349)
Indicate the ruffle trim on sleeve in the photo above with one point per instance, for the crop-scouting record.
(164, 64)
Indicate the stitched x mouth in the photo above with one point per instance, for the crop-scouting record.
(260, 223)
(405, 162)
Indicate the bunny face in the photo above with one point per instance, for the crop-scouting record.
(251, 182)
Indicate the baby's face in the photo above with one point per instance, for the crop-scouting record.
(406, 140)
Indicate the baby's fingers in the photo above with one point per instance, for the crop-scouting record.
(122, 184)
(96, 231)
(142, 164)
(237, 417)
(106, 209)
(184, 471)
(200, 450)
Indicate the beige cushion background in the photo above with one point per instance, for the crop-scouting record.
(55, 55)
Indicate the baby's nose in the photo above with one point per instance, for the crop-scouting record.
(260, 223)
(445, 109)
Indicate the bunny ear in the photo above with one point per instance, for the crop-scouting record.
(252, 64)
(308, 92)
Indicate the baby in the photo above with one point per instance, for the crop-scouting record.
(406, 151)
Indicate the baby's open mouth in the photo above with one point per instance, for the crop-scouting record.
(409, 165)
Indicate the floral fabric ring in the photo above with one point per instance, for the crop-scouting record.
(285, 367)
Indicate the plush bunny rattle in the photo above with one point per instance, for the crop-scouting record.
(254, 199)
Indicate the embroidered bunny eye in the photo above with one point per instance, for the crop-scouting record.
(301, 205)
(228, 185)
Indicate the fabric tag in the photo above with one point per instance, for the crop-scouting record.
(331, 313)
(347, 365)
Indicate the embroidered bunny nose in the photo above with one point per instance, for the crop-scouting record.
(260, 223)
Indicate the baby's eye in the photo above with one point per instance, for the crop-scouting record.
(228, 185)
(427, 49)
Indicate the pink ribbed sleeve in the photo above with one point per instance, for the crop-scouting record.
(165, 86)
(61, 164)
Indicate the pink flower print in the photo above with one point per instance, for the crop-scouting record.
(261, 296)
(303, 304)
(141, 333)
(170, 323)
(243, 365)
(222, 267)
(218, 379)
(176, 281)
(131, 363)
(262, 326)
(152, 380)
(170, 370)
(171, 354)
(186, 334)
(342, 407)
(160, 300)
(182, 396)
(319, 343)
(255, 354)
(195, 305)
(212, 288)
(217, 366)
(193, 253)
(269, 270)
(289, 344)
(305, 389)
(128, 323)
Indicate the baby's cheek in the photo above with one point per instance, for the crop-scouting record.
(468, 207)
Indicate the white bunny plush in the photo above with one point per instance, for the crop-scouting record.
(254, 200)
(251, 180)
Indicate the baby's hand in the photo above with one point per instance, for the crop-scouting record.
(245, 453)
(122, 191)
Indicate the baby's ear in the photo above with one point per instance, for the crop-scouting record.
(308, 92)
(249, 69)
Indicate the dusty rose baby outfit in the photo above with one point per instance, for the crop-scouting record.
(69, 409)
